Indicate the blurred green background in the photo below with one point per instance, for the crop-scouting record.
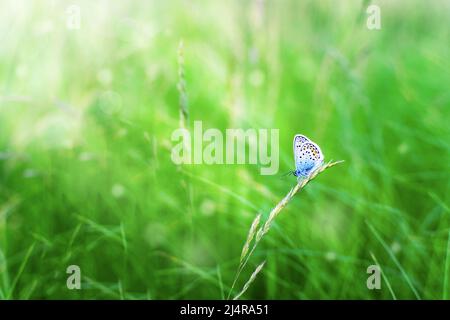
(86, 177)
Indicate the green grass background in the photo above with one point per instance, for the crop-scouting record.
(86, 176)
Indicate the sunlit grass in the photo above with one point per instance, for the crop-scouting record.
(86, 176)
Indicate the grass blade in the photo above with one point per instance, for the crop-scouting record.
(446, 270)
(273, 214)
(385, 278)
(250, 236)
(249, 282)
(394, 258)
(21, 268)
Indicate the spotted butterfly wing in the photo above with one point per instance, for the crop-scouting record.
(307, 155)
(299, 139)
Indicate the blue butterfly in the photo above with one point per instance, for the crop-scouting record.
(307, 156)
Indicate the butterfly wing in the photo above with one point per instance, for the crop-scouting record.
(308, 157)
(299, 139)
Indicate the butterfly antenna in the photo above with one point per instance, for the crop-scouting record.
(287, 174)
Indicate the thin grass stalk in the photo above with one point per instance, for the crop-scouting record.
(250, 281)
(183, 99)
(183, 107)
(263, 230)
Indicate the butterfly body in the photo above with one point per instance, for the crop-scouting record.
(307, 156)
